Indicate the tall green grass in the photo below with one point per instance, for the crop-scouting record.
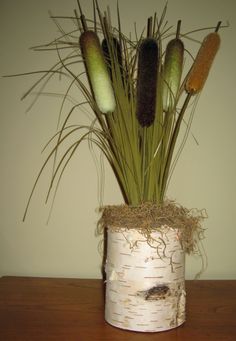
(139, 148)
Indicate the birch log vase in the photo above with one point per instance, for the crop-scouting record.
(145, 279)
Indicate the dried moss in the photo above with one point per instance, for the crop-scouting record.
(149, 217)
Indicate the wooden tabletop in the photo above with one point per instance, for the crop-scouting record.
(44, 309)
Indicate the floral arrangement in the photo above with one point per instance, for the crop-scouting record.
(140, 96)
(138, 92)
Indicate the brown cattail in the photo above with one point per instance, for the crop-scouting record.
(202, 64)
(112, 51)
(147, 81)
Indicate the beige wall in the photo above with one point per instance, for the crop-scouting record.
(204, 178)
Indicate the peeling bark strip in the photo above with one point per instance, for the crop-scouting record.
(145, 286)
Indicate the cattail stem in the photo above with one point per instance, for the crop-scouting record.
(94, 16)
(149, 27)
(154, 24)
(178, 29)
(82, 17)
(172, 145)
(218, 26)
(77, 19)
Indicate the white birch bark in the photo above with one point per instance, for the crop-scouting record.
(145, 285)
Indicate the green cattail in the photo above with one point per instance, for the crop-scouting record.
(147, 81)
(172, 72)
(97, 72)
(202, 64)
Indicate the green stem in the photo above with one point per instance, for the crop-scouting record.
(172, 145)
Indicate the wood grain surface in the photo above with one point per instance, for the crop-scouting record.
(44, 309)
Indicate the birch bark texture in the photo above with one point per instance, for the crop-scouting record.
(145, 279)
